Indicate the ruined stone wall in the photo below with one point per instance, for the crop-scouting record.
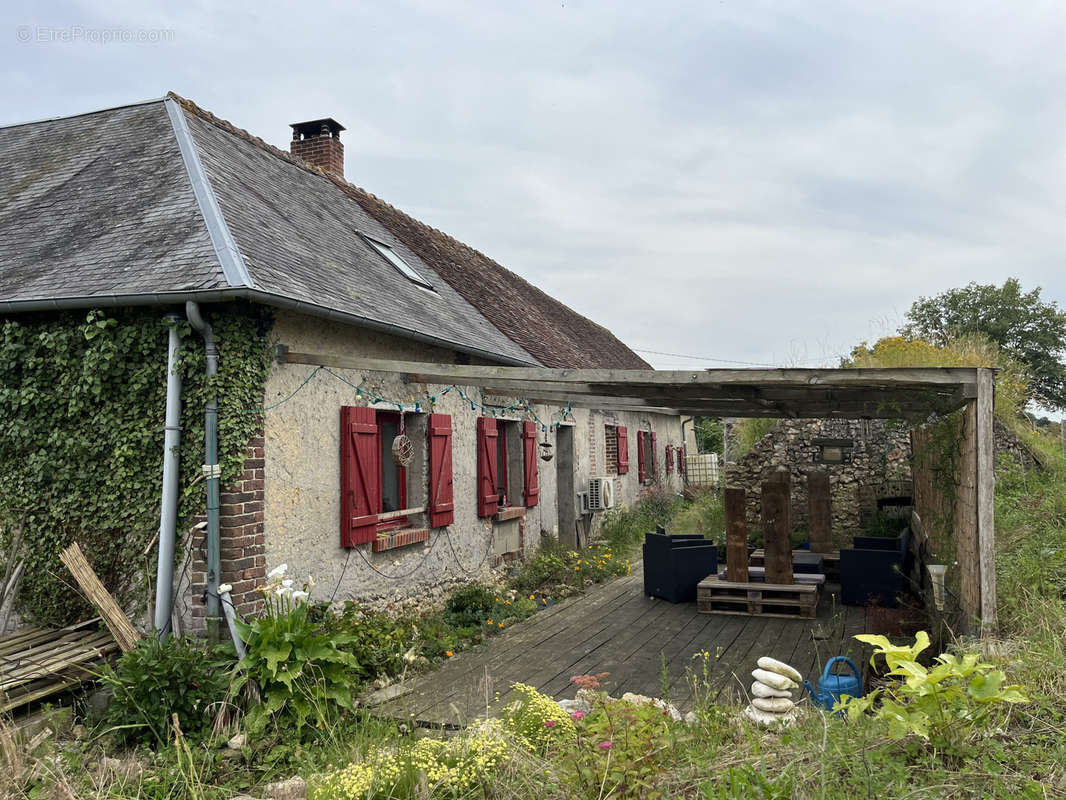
(880, 453)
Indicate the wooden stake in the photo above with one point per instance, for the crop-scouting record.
(819, 511)
(125, 634)
(736, 536)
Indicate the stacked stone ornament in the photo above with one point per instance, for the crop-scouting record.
(771, 693)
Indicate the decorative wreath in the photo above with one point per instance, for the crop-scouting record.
(402, 450)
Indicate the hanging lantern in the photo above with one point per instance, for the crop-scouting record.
(546, 449)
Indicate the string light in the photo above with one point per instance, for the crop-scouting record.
(522, 406)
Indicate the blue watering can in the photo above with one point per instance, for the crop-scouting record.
(834, 685)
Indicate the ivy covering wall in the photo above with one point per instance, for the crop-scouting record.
(82, 406)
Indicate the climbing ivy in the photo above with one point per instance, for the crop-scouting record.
(82, 405)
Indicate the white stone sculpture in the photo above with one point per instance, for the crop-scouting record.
(771, 703)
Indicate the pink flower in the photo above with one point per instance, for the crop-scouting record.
(605, 745)
(577, 715)
(549, 723)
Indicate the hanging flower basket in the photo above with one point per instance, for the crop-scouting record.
(546, 451)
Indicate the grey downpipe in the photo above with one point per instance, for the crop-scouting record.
(168, 509)
(211, 472)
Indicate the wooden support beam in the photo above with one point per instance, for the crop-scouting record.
(777, 527)
(819, 511)
(482, 375)
(736, 535)
(986, 485)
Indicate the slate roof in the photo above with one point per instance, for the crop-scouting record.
(163, 201)
(100, 204)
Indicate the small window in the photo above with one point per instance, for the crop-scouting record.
(393, 258)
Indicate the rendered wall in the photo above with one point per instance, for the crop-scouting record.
(302, 472)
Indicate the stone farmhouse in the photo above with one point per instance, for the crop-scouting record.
(161, 204)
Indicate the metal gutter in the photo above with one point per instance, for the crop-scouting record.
(229, 256)
(255, 296)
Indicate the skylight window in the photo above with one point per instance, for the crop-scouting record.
(393, 258)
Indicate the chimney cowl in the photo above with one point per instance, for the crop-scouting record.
(318, 142)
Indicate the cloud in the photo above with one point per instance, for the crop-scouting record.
(770, 182)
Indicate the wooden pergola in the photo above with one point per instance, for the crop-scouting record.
(911, 394)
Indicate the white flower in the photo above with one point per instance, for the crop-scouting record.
(278, 571)
(299, 596)
(282, 591)
(224, 587)
(287, 583)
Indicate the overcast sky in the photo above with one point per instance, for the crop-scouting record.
(764, 182)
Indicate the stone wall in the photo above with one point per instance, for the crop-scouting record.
(301, 523)
(880, 453)
(879, 459)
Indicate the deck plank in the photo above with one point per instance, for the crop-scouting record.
(615, 628)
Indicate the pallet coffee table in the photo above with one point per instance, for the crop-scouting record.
(796, 601)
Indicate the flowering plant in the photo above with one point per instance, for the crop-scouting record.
(452, 767)
(301, 670)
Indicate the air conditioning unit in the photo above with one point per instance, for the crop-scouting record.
(601, 494)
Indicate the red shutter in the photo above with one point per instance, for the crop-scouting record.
(642, 467)
(360, 475)
(487, 494)
(529, 456)
(669, 459)
(654, 466)
(623, 451)
(441, 496)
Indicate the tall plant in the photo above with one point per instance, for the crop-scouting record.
(301, 671)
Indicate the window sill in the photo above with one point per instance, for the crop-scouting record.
(510, 512)
(403, 538)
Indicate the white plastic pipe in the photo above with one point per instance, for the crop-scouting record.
(168, 508)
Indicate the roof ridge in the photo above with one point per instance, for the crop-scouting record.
(85, 113)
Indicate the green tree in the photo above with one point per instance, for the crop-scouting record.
(708, 434)
(1027, 329)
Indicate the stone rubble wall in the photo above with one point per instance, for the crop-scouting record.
(880, 459)
(881, 452)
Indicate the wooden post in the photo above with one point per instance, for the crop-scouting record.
(777, 528)
(819, 511)
(736, 536)
(986, 486)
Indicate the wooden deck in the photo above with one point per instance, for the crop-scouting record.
(615, 628)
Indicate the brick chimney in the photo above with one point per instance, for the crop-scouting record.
(319, 142)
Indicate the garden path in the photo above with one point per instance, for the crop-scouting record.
(642, 642)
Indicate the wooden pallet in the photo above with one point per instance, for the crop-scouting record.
(831, 562)
(714, 596)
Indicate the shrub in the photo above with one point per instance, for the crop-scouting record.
(624, 528)
(157, 679)
(944, 705)
(470, 605)
(376, 641)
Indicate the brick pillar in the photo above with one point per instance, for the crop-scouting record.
(243, 547)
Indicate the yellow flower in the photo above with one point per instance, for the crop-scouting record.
(488, 621)
(500, 624)
(449, 653)
(531, 597)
